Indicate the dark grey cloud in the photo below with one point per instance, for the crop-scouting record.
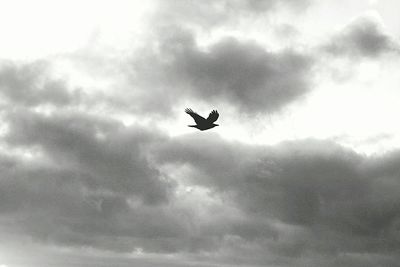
(103, 185)
(32, 85)
(340, 202)
(55, 206)
(92, 184)
(364, 38)
(103, 150)
(173, 67)
(243, 74)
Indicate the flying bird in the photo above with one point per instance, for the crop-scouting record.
(202, 123)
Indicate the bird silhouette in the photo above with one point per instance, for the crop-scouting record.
(202, 123)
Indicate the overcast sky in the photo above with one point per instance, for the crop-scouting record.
(99, 168)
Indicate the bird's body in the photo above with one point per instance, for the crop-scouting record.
(201, 123)
(203, 127)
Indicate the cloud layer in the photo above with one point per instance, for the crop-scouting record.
(96, 183)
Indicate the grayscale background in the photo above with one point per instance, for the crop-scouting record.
(98, 166)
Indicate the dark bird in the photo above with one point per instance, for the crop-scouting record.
(202, 123)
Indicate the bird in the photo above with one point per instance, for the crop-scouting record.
(201, 123)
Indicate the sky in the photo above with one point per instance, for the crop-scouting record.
(99, 168)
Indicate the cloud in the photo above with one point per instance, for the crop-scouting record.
(171, 68)
(221, 13)
(97, 183)
(57, 207)
(91, 182)
(101, 149)
(334, 200)
(175, 67)
(363, 38)
(88, 183)
(243, 74)
(32, 85)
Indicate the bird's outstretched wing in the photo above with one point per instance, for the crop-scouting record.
(213, 116)
(197, 118)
